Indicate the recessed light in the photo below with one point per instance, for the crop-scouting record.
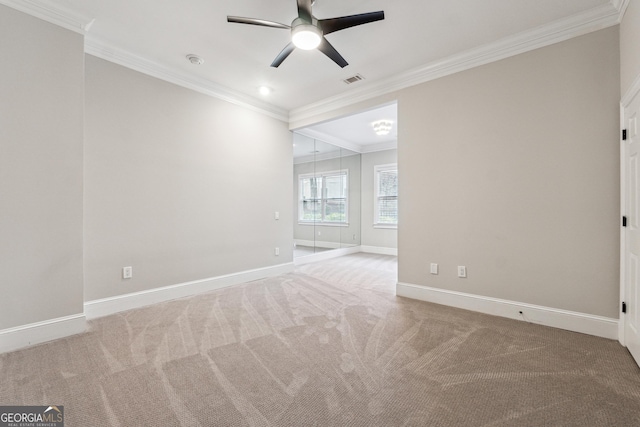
(265, 90)
(195, 59)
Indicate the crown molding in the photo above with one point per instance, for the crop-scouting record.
(312, 158)
(380, 146)
(583, 23)
(138, 63)
(50, 12)
(330, 139)
(47, 11)
(592, 20)
(621, 7)
(347, 145)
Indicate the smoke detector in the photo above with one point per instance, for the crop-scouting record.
(195, 59)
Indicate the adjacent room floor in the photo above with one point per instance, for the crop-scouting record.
(300, 251)
(327, 345)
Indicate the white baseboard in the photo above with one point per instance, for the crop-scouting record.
(317, 243)
(379, 250)
(321, 256)
(106, 306)
(36, 333)
(599, 326)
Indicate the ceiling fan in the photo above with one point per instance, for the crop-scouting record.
(308, 33)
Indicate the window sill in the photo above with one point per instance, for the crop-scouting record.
(324, 224)
(389, 226)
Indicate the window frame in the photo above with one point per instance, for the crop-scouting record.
(376, 195)
(323, 198)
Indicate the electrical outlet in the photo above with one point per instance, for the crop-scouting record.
(277, 251)
(277, 215)
(462, 271)
(127, 272)
(434, 268)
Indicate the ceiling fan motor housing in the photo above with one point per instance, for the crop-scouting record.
(306, 35)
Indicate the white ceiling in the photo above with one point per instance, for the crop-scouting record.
(355, 132)
(345, 136)
(418, 40)
(413, 34)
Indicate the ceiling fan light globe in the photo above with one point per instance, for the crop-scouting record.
(306, 36)
(382, 127)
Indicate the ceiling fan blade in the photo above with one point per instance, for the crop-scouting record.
(326, 48)
(304, 10)
(283, 55)
(254, 21)
(336, 24)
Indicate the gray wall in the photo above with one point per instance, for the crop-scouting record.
(630, 46)
(512, 169)
(371, 236)
(179, 185)
(41, 91)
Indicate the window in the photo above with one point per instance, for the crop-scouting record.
(323, 197)
(386, 196)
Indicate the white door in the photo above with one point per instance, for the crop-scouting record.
(631, 295)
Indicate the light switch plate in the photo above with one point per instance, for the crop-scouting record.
(434, 268)
(462, 271)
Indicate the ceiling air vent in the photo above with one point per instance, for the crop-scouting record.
(353, 79)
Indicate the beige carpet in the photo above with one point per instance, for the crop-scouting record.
(328, 345)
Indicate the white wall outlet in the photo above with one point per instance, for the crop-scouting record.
(434, 268)
(462, 271)
(277, 215)
(127, 272)
(276, 251)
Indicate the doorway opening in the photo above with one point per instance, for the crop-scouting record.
(345, 185)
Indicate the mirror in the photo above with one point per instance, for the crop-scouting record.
(343, 198)
(327, 196)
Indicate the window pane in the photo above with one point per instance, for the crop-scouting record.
(334, 210)
(388, 210)
(388, 183)
(311, 210)
(336, 186)
(311, 188)
(323, 198)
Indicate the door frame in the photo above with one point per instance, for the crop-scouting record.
(633, 91)
(623, 236)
